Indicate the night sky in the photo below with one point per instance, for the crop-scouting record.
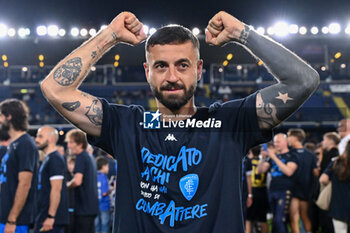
(189, 13)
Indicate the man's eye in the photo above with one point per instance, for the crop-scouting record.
(183, 65)
(160, 66)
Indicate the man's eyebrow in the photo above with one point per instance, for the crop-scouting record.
(183, 60)
(160, 62)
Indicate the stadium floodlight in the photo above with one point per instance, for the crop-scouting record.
(41, 30)
(261, 30)
(24, 69)
(302, 30)
(293, 29)
(325, 30)
(239, 67)
(347, 30)
(196, 31)
(74, 32)
(270, 30)
(334, 28)
(11, 32)
(323, 68)
(281, 29)
(343, 66)
(92, 32)
(52, 30)
(22, 32)
(152, 30)
(93, 68)
(314, 30)
(3, 30)
(145, 29)
(83, 32)
(61, 32)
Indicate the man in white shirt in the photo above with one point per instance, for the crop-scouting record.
(344, 132)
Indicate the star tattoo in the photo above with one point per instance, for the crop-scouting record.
(283, 97)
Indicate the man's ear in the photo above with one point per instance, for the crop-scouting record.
(199, 69)
(9, 117)
(146, 67)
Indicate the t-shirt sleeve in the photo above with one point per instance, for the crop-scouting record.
(241, 118)
(26, 156)
(104, 186)
(117, 120)
(80, 164)
(56, 167)
(292, 158)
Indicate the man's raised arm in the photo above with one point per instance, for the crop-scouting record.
(296, 79)
(60, 87)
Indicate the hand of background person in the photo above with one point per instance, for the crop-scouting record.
(223, 28)
(127, 29)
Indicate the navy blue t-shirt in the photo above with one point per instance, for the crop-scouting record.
(180, 179)
(21, 156)
(53, 167)
(303, 176)
(85, 196)
(279, 181)
(339, 208)
(3, 150)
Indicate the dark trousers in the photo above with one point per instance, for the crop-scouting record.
(279, 204)
(84, 224)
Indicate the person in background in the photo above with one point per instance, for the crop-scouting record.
(69, 176)
(338, 172)
(52, 208)
(330, 149)
(102, 221)
(282, 165)
(303, 177)
(344, 132)
(84, 183)
(18, 169)
(258, 210)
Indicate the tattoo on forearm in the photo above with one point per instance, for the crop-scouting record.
(244, 34)
(66, 74)
(93, 54)
(71, 106)
(114, 36)
(94, 113)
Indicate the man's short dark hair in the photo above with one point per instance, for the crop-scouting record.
(298, 133)
(172, 34)
(101, 161)
(18, 111)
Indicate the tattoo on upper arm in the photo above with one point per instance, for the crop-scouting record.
(94, 113)
(93, 54)
(71, 106)
(267, 113)
(67, 73)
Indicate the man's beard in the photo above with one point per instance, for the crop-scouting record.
(5, 126)
(43, 146)
(174, 102)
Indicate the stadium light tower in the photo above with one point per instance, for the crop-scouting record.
(11, 32)
(152, 30)
(52, 30)
(302, 30)
(3, 30)
(41, 30)
(314, 30)
(334, 28)
(347, 30)
(22, 32)
(196, 31)
(145, 29)
(293, 29)
(281, 29)
(74, 32)
(325, 30)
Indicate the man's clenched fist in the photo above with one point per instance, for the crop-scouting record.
(127, 28)
(223, 28)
